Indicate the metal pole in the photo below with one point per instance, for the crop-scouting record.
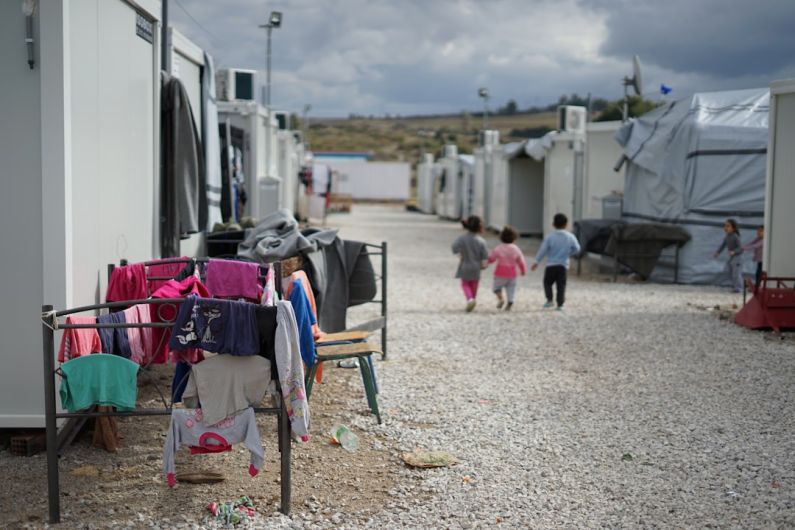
(165, 48)
(383, 298)
(286, 449)
(53, 492)
(268, 71)
(625, 114)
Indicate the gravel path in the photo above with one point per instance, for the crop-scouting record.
(634, 408)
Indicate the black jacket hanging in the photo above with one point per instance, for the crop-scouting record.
(183, 200)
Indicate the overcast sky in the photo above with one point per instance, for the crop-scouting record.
(430, 56)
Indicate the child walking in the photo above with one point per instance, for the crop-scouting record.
(557, 247)
(509, 258)
(473, 252)
(756, 245)
(731, 242)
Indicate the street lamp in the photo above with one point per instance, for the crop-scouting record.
(275, 21)
(483, 93)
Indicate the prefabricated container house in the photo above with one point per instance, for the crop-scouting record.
(563, 176)
(466, 169)
(451, 184)
(425, 184)
(601, 179)
(79, 141)
(517, 189)
(253, 130)
(779, 250)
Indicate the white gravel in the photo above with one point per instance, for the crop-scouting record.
(633, 408)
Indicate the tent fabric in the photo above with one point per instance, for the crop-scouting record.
(694, 163)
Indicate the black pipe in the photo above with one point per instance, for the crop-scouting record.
(53, 494)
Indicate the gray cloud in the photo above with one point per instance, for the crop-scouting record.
(723, 38)
(414, 56)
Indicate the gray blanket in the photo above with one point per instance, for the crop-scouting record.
(276, 237)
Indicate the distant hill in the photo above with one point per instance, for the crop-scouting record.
(406, 138)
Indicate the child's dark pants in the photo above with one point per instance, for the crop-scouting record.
(555, 274)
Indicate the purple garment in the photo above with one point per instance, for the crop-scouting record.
(220, 326)
(232, 279)
(114, 340)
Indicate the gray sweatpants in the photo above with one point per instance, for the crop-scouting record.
(509, 284)
(736, 272)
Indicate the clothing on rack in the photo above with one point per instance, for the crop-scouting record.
(220, 326)
(99, 379)
(183, 181)
(233, 279)
(114, 340)
(277, 237)
(291, 369)
(269, 293)
(170, 269)
(187, 428)
(305, 321)
(140, 339)
(180, 381)
(288, 289)
(168, 313)
(266, 325)
(80, 341)
(226, 385)
(127, 282)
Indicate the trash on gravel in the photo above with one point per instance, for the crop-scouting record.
(342, 435)
(232, 513)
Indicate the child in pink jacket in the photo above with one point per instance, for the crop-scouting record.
(509, 259)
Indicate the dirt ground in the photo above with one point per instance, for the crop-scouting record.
(127, 488)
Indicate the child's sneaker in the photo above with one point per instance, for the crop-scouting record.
(509, 306)
(500, 303)
(548, 305)
(471, 306)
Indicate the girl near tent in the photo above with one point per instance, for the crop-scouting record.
(731, 242)
(473, 253)
(756, 245)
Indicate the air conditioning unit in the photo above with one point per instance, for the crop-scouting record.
(236, 84)
(283, 119)
(572, 119)
(489, 137)
(450, 151)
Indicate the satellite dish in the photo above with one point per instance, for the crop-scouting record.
(635, 81)
(483, 92)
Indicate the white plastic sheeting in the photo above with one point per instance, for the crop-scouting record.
(694, 163)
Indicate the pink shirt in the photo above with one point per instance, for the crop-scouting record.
(508, 258)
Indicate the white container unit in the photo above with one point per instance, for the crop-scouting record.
(425, 184)
(291, 154)
(451, 184)
(601, 180)
(79, 144)
(466, 169)
(560, 161)
(260, 155)
(517, 184)
(779, 250)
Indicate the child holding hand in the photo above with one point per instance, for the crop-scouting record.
(509, 259)
(473, 254)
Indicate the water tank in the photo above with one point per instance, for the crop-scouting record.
(450, 151)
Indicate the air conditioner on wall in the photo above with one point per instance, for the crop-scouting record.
(236, 84)
(571, 119)
(489, 137)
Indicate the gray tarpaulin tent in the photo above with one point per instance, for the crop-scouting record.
(694, 163)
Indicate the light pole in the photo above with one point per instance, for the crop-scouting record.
(483, 93)
(274, 21)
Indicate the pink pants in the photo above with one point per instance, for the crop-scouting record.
(470, 288)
